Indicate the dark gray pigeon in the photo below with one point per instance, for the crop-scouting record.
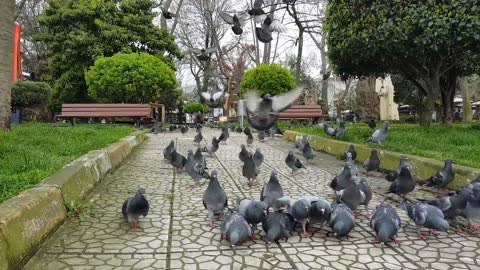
(427, 216)
(386, 223)
(195, 168)
(235, 228)
(214, 198)
(258, 158)
(261, 135)
(178, 161)
(239, 129)
(277, 225)
(243, 153)
(341, 220)
(212, 147)
(135, 207)
(392, 176)
(340, 131)
(249, 139)
(249, 169)
(472, 208)
(184, 129)
(372, 124)
(443, 177)
(343, 180)
(199, 157)
(365, 188)
(247, 131)
(404, 184)
(167, 152)
(351, 150)
(224, 135)
(328, 130)
(352, 196)
(293, 162)
(272, 191)
(253, 211)
(299, 209)
(261, 112)
(320, 211)
(198, 138)
(308, 152)
(235, 21)
(373, 162)
(274, 130)
(380, 134)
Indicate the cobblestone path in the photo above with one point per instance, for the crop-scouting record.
(175, 234)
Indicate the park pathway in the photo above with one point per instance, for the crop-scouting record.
(175, 234)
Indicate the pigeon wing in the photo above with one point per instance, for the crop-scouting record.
(218, 95)
(210, 50)
(206, 95)
(195, 50)
(282, 102)
(277, 26)
(226, 17)
(253, 101)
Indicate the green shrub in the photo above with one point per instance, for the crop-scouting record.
(130, 78)
(268, 78)
(194, 108)
(30, 94)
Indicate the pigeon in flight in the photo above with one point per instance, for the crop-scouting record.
(135, 207)
(235, 21)
(202, 54)
(214, 100)
(167, 14)
(269, 25)
(261, 112)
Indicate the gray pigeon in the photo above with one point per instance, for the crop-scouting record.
(425, 215)
(195, 168)
(178, 161)
(135, 207)
(392, 176)
(214, 198)
(235, 21)
(277, 225)
(404, 184)
(365, 188)
(184, 129)
(352, 196)
(274, 130)
(341, 220)
(299, 209)
(198, 138)
(261, 135)
(199, 157)
(243, 153)
(351, 150)
(258, 158)
(167, 152)
(353, 167)
(235, 228)
(343, 180)
(386, 223)
(253, 211)
(224, 135)
(249, 139)
(373, 162)
(261, 112)
(212, 147)
(293, 162)
(340, 131)
(472, 208)
(380, 134)
(328, 130)
(443, 177)
(301, 143)
(308, 152)
(272, 191)
(320, 211)
(249, 169)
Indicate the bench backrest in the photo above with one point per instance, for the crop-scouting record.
(302, 111)
(106, 110)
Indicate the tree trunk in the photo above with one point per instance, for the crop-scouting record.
(323, 57)
(163, 21)
(447, 88)
(298, 63)
(466, 97)
(7, 9)
(367, 103)
(425, 112)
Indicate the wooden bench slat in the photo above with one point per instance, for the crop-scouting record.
(84, 110)
(105, 110)
(95, 105)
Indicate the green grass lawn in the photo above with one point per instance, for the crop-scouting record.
(30, 152)
(460, 142)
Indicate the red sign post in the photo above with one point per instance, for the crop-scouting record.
(17, 57)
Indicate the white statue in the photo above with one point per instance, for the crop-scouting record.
(388, 108)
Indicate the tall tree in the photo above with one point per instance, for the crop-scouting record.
(430, 42)
(77, 32)
(7, 9)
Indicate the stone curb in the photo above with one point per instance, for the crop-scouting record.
(29, 218)
(422, 168)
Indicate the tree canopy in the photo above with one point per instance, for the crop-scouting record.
(194, 108)
(77, 32)
(429, 42)
(268, 78)
(130, 78)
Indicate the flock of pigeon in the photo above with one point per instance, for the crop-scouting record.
(279, 214)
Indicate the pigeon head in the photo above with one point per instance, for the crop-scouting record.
(141, 191)
(214, 173)
(351, 147)
(274, 173)
(243, 147)
(450, 162)
(476, 190)
(374, 152)
(440, 223)
(237, 236)
(385, 232)
(274, 232)
(405, 171)
(385, 124)
(342, 228)
(300, 210)
(189, 153)
(290, 152)
(342, 124)
(258, 151)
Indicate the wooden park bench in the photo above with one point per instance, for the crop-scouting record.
(313, 112)
(137, 112)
